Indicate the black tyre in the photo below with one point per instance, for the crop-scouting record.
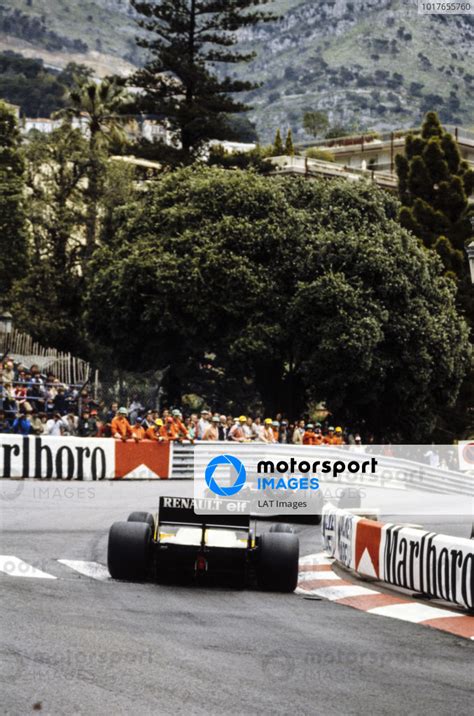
(282, 527)
(278, 562)
(312, 519)
(128, 553)
(142, 517)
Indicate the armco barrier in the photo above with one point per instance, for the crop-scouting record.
(83, 458)
(437, 565)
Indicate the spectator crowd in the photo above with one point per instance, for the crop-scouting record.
(34, 403)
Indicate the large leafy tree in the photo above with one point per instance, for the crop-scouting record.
(46, 297)
(258, 283)
(187, 40)
(13, 238)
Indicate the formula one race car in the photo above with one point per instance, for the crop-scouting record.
(178, 543)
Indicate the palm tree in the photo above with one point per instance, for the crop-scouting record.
(98, 104)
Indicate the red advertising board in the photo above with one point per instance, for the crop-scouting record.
(143, 460)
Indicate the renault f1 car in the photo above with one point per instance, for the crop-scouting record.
(178, 543)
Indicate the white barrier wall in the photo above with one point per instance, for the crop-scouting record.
(440, 566)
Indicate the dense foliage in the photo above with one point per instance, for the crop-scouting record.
(13, 251)
(36, 89)
(248, 286)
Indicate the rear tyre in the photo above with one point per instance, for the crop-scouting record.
(282, 527)
(142, 517)
(278, 562)
(128, 552)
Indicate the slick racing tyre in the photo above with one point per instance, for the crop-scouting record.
(142, 517)
(278, 562)
(282, 527)
(128, 553)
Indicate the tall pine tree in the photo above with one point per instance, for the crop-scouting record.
(434, 185)
(13, 238)
(187, 41)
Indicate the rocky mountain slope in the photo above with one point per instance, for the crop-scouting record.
(367, 63)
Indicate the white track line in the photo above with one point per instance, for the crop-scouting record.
(15, 567)
(88, 569)
(413, 612)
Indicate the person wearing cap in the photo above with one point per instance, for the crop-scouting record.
(212, 433)
(268, 436)
(180, 427)
(237, 433)
(338, 438)
(203, 424)
(156, 432)
(309, 437)
(318, 436)
(121, 428)
(138, 431)
(329, 438)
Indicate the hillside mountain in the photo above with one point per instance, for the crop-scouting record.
(367, 63)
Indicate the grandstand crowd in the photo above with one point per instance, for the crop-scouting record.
(33, 403)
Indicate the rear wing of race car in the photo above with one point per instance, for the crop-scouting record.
(180, 511)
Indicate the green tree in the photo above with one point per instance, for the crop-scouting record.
(14, 254)
(258, 282)
(289, 148)
(434, 185)
(278, 148)
(315, 123)
(47, 297)
(186, 41)
(100, 106)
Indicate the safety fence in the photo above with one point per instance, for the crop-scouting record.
(23, 349)
(436, 565)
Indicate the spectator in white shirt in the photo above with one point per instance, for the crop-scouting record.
(55, 426)
(203, 424)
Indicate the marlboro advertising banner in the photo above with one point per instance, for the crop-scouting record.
(439, 566)
(82, 458)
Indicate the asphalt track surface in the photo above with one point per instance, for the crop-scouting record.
(76, 645)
